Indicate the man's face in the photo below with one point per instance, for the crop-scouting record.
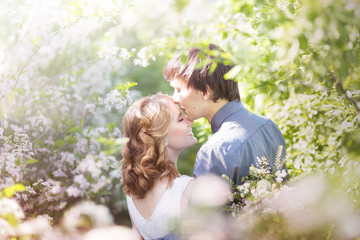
(190, 100)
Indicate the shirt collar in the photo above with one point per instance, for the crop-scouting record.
(223, 113)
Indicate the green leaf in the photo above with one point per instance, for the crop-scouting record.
(303, 42)
(35, 41)
(75, 129)
(59, 143)
(110, 126)
(32, 160)
(233, 72)
(69, 139)
(95, 97)
(90, 128)
(125, 86)
(10, 191)
(18, 161)
(82, 122)
(112, 145)
(213, 67)
(179, 5)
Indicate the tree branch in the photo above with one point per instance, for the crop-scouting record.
(340, 87)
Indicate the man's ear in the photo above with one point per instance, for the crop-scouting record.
(207, 95)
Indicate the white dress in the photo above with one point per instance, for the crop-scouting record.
(163, 220)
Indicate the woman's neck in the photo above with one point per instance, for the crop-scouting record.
(174, 155)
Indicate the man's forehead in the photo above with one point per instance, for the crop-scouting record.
(177, 82)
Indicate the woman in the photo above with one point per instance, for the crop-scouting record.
(156, 193)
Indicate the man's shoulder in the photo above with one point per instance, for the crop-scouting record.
(230, 131)
(233, 135)
(228, 139)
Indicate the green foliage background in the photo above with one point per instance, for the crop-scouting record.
(296, 61)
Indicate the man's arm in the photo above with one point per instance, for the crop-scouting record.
(212, 160)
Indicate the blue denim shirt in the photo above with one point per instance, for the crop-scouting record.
(239, 138)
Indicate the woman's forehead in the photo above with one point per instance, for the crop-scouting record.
(174, 108)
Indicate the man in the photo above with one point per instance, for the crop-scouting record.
(239, 136)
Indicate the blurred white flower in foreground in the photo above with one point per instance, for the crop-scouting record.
(9, 207)
(111, 233)
(311, 204)
(87, 215)
(36, 227)
(210, 191)
(263, 187)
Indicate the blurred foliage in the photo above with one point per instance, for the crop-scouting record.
(64, 75)
(296, 62)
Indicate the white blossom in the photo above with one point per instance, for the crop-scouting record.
(263, 187)
(73, 191)
(116, 99)
(81, 181)
(142, 57)
(11, 207)
(99, 215)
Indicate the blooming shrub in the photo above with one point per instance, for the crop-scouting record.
(59, 104)
(261, 181)
(64, 80)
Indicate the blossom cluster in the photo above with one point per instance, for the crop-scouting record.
(55, 90)
(261, 182)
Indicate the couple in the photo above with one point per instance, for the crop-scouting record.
(158, 131)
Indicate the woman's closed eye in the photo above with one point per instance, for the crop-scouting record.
(181, 116)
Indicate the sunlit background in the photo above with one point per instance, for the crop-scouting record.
(69, 70)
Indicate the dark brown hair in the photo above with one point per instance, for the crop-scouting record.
(201, 78)
(145, 157)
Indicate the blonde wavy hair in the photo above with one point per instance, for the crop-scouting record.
(145, 157)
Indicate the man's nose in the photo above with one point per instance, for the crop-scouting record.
(175, 97)
(190, 122)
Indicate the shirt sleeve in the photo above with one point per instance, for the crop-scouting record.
(205, 162)
(217, 160)
(243, 159)
(232, 153)
(213, 160)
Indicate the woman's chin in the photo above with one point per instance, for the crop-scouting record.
(194, 142)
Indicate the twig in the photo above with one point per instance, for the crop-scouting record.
(340, 87)
(32, 55)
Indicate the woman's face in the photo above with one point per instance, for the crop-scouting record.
(180, 134)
